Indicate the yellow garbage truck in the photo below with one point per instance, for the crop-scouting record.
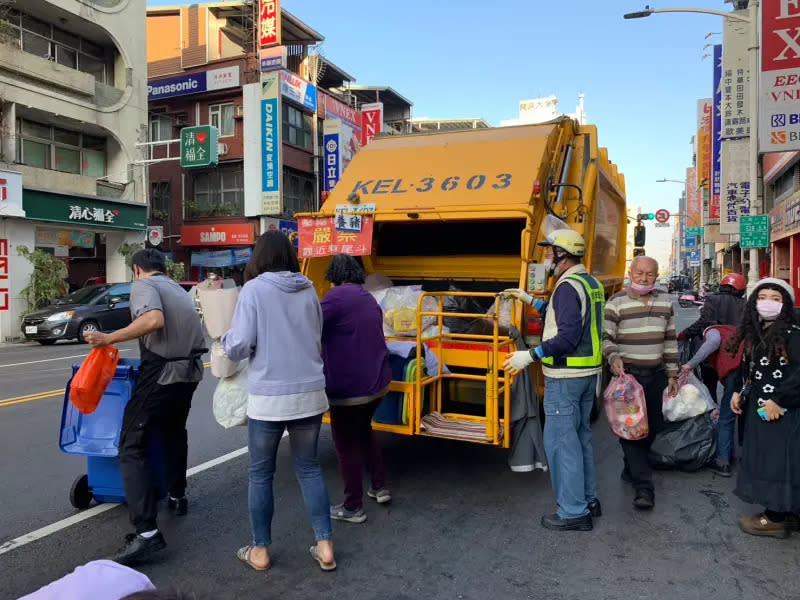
(455, 219)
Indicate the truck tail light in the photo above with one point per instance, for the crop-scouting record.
(534, 326)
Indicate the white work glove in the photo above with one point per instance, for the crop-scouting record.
(518, 361)
(525, 297)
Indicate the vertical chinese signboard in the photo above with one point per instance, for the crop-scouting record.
(694, 207)
(735, 80)
(332, 153)
(269, 23)
(4, 275)
(321, 236)
(716, 141)
(704, 142)
(199, 146)
(371, 121)
(271, 169)
(778, 120)
(735, 185)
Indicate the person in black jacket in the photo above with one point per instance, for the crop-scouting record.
(769, 473)
(723, 308)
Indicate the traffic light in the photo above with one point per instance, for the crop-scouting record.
(638, 235)
(638, 252)
(646, 216)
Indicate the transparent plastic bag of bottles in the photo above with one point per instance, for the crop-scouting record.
(626, 408)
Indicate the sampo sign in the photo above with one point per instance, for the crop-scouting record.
(238, 234)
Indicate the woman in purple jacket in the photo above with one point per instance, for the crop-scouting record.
(357, 376)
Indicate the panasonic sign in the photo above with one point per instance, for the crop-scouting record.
(193, 83)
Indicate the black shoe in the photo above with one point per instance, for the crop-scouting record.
(138, 548)
(720, 468)
(180, 506)
(644, 500)
(594, 508)
(577, 524)
(626, 475)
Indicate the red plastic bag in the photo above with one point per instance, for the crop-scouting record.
(626, 408)
(92, 379)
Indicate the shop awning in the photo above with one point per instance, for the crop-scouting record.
(221, 258)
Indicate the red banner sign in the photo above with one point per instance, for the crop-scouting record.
(4, 274)
(371, 121)
(332, 108)
(319, 237)
(269, 23)
(237, 234)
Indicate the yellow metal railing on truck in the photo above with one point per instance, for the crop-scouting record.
(498, 429)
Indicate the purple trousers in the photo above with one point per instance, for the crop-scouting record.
(357, 449)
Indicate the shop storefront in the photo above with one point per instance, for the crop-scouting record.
(221, 248)
(785, 241)
(86, 232)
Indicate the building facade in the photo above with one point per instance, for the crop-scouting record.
(73, 109)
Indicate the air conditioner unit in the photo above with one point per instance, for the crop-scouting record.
(238, 112)
(222, 149)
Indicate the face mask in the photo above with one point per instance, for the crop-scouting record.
(769, 309)
(642, 289)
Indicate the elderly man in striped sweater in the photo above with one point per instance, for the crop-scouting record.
(639, 338)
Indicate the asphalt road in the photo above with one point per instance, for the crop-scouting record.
(462, 525)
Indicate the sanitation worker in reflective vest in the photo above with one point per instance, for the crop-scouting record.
(571, 357)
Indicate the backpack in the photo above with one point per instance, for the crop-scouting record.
(723, 362)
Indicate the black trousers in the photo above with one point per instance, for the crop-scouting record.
(653, 381)
(153, 411)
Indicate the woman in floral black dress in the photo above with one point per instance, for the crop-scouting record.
(769, 473)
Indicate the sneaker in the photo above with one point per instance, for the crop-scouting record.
(381, 496)
(138, 548)
(594, 508)
(559, 524)
(720, 468)
(180, 506)
(761, 525)
(340, 513)
(644, 500)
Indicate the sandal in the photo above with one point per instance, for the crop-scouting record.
(322, 565)
(243, 554)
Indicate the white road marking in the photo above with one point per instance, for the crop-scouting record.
(101, 508)
(44, 360)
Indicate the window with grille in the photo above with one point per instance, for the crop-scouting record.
(160, 200)
(160, 128)
(221, 117)
(58, 149)
(296, 127)
(217, 193)
(48, 41)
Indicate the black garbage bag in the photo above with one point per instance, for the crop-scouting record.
(685, 445)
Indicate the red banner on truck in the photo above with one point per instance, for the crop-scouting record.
(324, 236)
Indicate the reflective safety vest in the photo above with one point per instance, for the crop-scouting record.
(589, 352)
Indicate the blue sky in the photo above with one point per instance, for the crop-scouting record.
(472, 58)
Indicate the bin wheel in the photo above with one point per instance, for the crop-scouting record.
(80, 495)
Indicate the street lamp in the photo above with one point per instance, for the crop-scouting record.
(752, 20)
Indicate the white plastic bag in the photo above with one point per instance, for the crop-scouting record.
(400, 310)
(692, 399)
(218, 306)
(221, 365)
(230, 399)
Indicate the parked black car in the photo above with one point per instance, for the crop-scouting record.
(104, 307)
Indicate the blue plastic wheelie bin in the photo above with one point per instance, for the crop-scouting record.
(96, 436)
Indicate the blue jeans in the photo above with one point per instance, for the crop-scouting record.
(262, 442)
(568, 442)
(727, 420)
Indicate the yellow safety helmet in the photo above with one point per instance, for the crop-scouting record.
(567, 240)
